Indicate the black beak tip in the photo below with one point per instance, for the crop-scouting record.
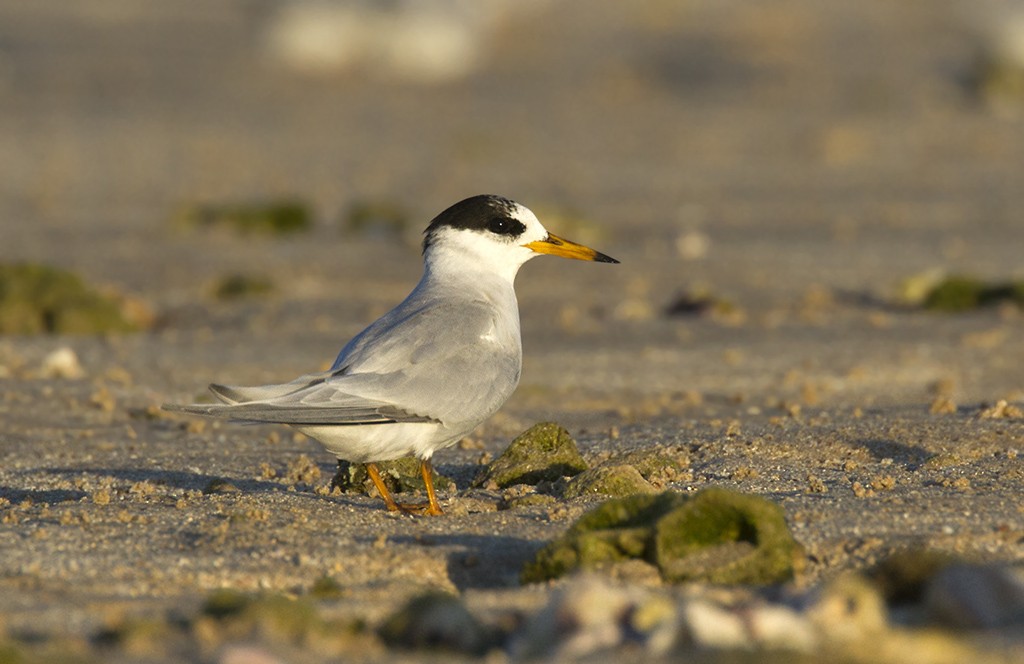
(604, 258)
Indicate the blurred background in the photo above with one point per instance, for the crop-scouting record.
(762, 160)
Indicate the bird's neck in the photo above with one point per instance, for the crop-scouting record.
(462, 267)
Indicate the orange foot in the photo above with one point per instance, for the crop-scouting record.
(430, 508)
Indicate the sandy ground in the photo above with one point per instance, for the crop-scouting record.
(797, 159)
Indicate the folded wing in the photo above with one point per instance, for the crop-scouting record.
(428, 366)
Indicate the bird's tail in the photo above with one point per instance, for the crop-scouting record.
(227, 394)
(232, 395)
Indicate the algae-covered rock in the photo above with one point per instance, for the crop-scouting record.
(617, 480)
(545, 451)
(700, 303)
(614, 531)
(997, 76)
(724, 536)
(399, 476)
(271, 615)
(279, 217)
(225, 602)
(238, 286)
(326, 587)
(38, 299)
(365, 217)
(717, 535)
(962, 293)
(139, 637)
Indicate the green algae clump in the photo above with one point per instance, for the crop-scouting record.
(270, 615)
(440, 622)
(37, 299)
(400, 476)
(545, 451)
(727, 537)
(716, 536)
(280, 217)
(960, 293)
(614, 531)
(238, 286)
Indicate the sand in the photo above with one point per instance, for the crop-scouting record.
(796, 161)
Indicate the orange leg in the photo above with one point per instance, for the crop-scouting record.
(374, 473)
(432, 508)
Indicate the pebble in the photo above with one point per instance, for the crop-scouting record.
(848, 609)
(976, 597)
(62, 363)
(708, 625)
(590, 615)
(246, 654)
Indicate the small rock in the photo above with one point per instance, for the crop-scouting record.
(708, 625)
(247, 654)
(976, 597)
(62, 363)
(657, 465)
(849, 609)
(903, 576)
(616, 481)
(37, 299)
(942, 405)
(220, 485)
(526, 501)
(777, 627)
(998, 76)
(1000, 410)
(692, 245)
(437, 621)
(590, 615)
(545, 451)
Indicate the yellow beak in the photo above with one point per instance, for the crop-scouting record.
(557, 246)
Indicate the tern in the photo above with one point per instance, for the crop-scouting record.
(429, 371)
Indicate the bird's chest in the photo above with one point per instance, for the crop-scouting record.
(501, 332)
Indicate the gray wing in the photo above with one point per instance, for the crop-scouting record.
(433, 363)
(358, 411)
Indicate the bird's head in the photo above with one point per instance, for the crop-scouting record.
(498, 232)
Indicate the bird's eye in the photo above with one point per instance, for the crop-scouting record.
(499, 225)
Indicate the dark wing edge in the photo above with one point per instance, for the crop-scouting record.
(255, 412)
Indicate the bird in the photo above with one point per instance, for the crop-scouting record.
(428, 372)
